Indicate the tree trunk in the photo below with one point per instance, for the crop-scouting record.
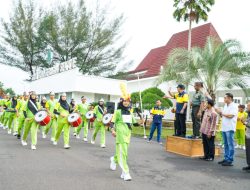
(31, 71)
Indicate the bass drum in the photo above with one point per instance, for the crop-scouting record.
(90, 116)
(42, 117)
(107, 118)
(74, 119)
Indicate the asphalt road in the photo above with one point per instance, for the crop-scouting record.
(86, 166)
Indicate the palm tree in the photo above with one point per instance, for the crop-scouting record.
(217, 65)
(192, 10)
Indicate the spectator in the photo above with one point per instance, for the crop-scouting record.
(208, 131)
(247, 168)
(158, 113)
(241, 128)
(197, 106)
(229, 119)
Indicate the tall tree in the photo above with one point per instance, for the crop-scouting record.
(217, 65)
(22, 46)
(73, 32)
(192, 10)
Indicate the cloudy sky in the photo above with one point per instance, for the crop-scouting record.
(149, 23)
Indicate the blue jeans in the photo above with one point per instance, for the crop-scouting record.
(153, 127)
(228, 138)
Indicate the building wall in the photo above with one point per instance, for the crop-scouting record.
(77, 96)
(92, 97)
(239, 97)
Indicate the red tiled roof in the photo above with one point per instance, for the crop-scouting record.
(157, 57)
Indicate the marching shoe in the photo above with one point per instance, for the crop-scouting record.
(112, 164)
(78, 136)
(44, 135)
(103, 146)
(74, 134)
(122, 175)
(52, 139)
(92, 141)
(33, 147)
(66, 146)
(85, 139)
(24, 143)
(127, 177)
(9, 131)
(54, 143)
(15, 134)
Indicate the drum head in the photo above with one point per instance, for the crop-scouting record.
(89, 114)
(40, 116)
(107, 118)
(73, 117)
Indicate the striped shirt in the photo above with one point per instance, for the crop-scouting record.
(208, 125)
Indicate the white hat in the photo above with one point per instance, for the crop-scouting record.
(64, 94)
(52, 94)
(25, 93)
(101, 100)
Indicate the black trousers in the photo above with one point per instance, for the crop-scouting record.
(248, 151)
(208, 146)
(180, 121)
(196, 121)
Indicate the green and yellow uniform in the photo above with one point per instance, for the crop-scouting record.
(7, 104)
(62, 123)
(99, 112)
(123, 125)
(82, 109)
(30, 124)
(241, 128)
(2, 111)
(50, 106)
(12, 116)
(20, 107)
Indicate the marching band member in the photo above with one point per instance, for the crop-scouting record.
(62, 109)
(50, 106)
(99, 111)
(121, 126)
(82, 109)
(6, 104)
(30, 125)
(2, 111)
(12, 114)
(43, 103)
(20, 107)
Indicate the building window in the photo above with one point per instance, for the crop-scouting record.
(238, 100)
